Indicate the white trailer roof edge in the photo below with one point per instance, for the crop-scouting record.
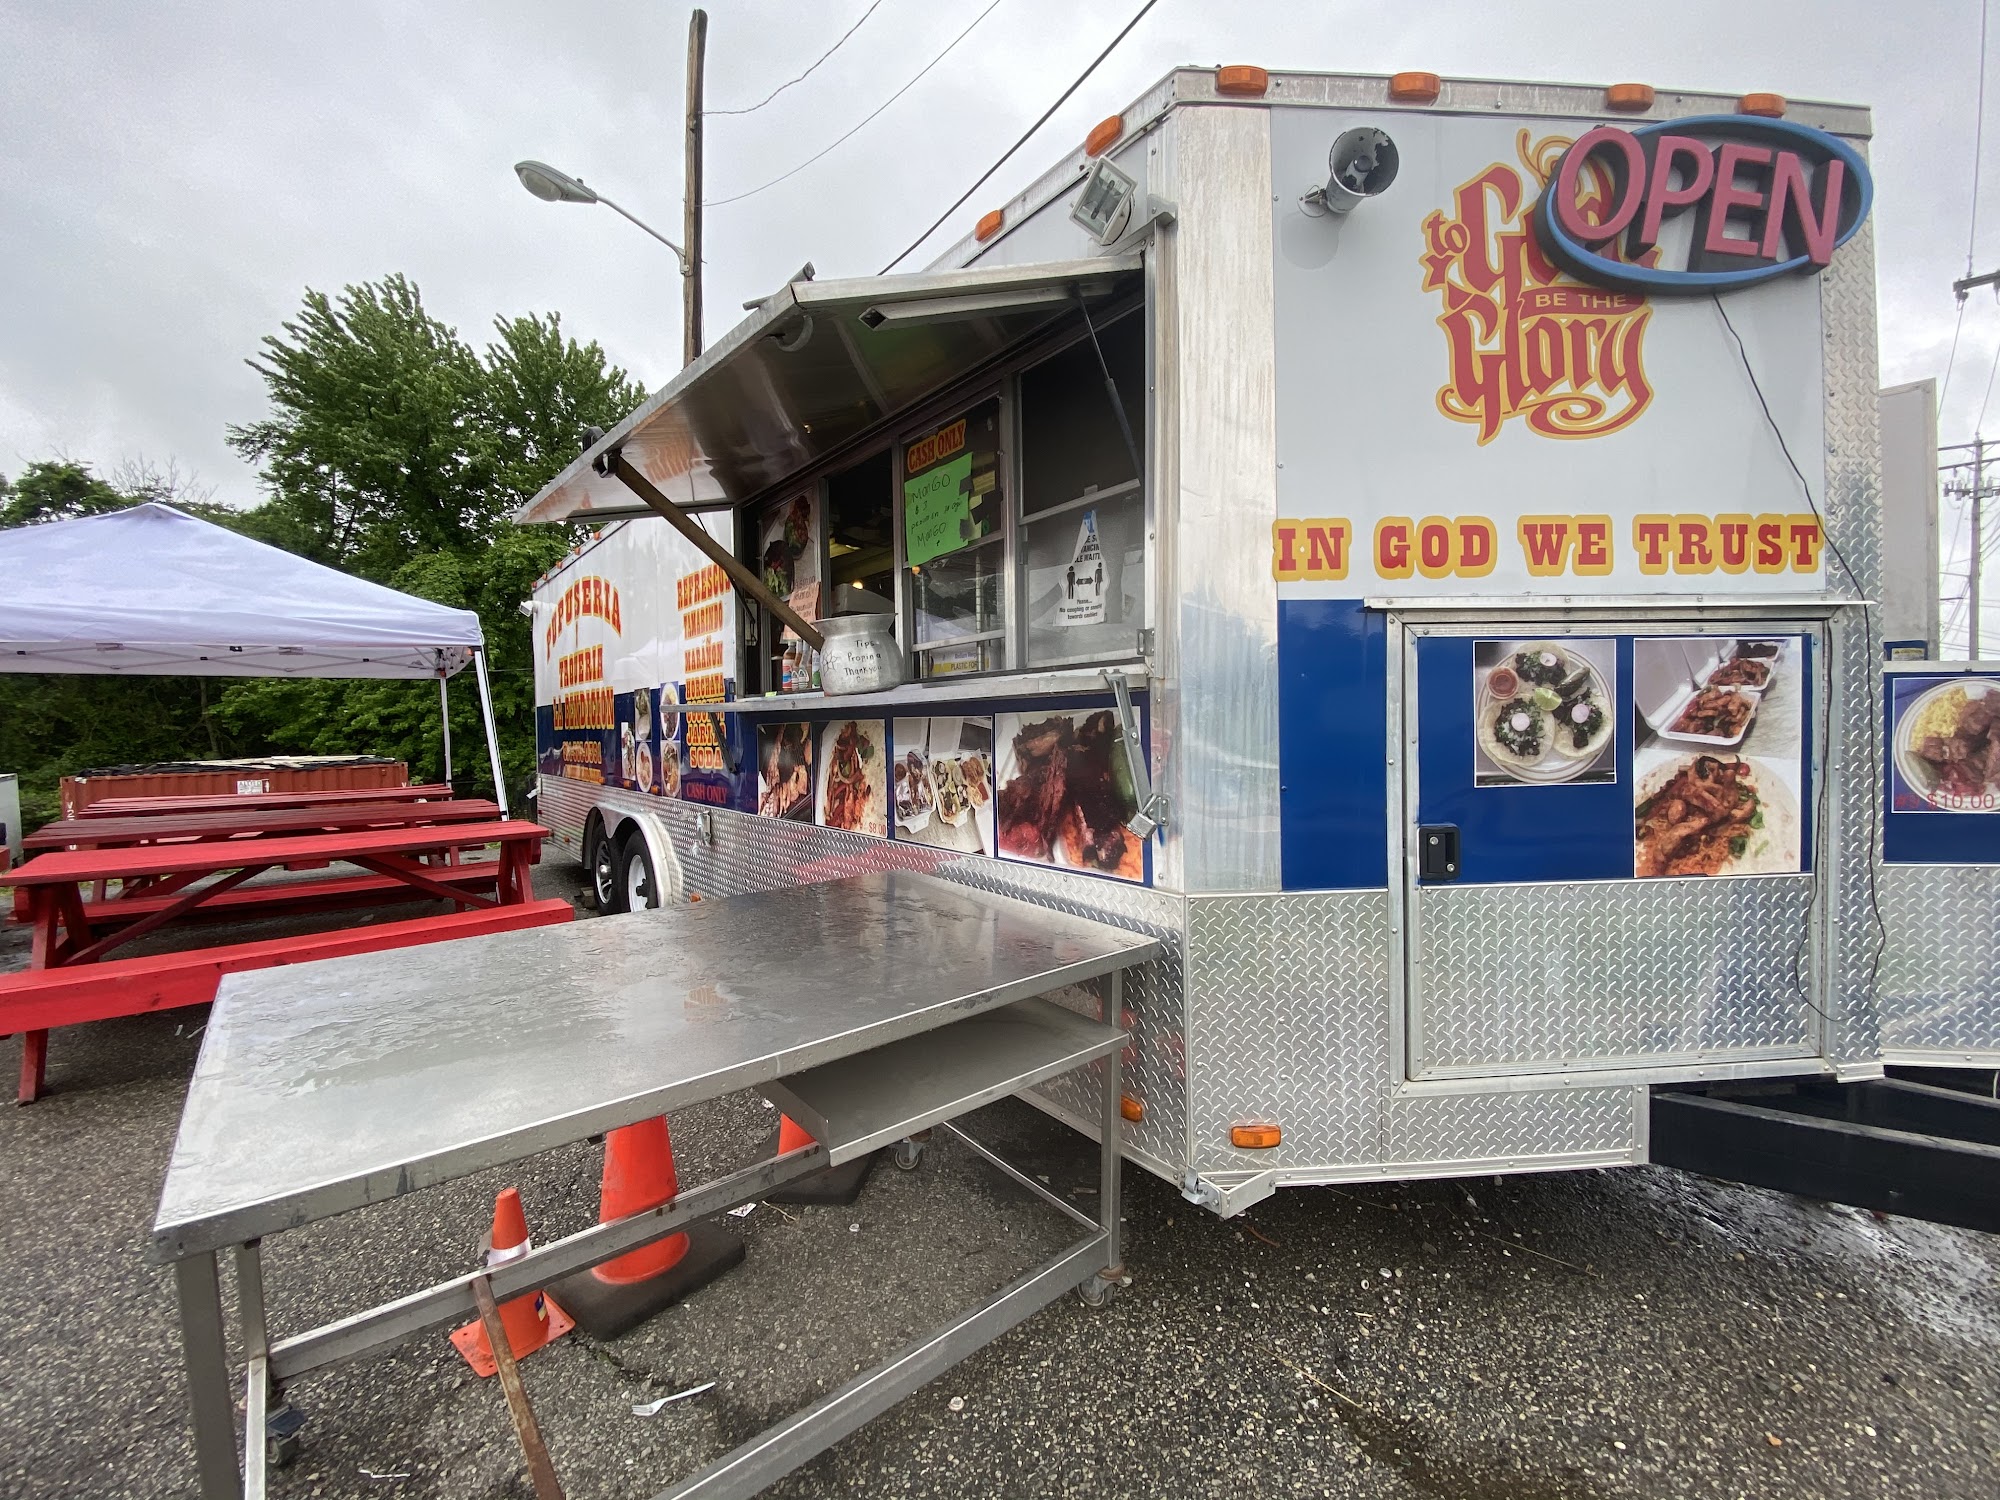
(1191, 85)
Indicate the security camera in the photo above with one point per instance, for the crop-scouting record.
(1361, 164)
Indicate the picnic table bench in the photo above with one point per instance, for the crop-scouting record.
(72, 979)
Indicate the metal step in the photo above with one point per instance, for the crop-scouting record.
(1903, 1148)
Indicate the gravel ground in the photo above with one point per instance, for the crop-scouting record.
(1631, 1333)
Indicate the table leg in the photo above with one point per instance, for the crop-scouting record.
(207, 1358)
(1111, 1122)
(34, 1065)
(42, 915)
(514, 864)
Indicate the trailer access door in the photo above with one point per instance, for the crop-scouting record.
(1605, 836)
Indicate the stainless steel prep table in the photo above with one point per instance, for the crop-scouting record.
(326, 1087)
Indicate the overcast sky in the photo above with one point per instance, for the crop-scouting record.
(174, 176)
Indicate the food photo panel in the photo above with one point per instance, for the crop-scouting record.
(942, 783)
(1944, 744)
(1544, 713)
(785, 764)
(1718, 763)
(854, 776)
(1065, 792)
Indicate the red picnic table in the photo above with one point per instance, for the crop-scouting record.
(120, 807)
(73, 979)
(253, 822)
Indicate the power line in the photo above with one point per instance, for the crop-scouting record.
(1971, 229)
(1081, 77)
(738, 198)
(1951, 360)
(1978, 139)
(752, 109)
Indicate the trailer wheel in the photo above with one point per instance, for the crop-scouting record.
(606, 882)
(638, 885)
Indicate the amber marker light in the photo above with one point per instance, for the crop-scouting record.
(1255, 1137)
(1771, 106)
(1629, 96)
(1415, 88)
(1131, 1108)
(1102, 135)
(988, 225)
(1242, 79)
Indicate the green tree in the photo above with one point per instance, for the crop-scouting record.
(393, 450)
(57, 490)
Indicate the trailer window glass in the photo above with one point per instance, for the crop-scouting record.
(954, 542)
(1071, 443)
(1083, 530)
(861, 537)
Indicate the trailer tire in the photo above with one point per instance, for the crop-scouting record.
(601, 863)
(638, 881)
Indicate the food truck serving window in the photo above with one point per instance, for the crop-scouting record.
(954, 544)
(1023, 516)
(1083, 506)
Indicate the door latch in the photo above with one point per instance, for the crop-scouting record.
(1437, 851)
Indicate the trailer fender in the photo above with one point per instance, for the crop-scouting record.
(660, 845)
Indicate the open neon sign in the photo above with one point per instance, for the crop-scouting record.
(1768, 198)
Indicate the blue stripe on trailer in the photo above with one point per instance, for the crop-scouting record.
(1332, 737)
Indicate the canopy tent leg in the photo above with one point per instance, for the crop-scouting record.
(492, 735)
(444, 714)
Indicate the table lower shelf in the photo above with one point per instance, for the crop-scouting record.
(870, 1099)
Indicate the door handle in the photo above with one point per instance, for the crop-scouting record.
(1437, 852)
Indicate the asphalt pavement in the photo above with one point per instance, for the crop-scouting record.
(1572, 1336)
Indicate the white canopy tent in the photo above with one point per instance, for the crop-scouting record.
(154, 591)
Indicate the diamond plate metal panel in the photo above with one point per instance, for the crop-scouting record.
(1288, 1020)
(1575, 1123)
(1155, 1064)
(1615, 973)
(561, 805)
(1941, 970)
(1852, 509)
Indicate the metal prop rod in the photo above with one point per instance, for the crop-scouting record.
(526, 1429)
(492, 735)
(739, 573)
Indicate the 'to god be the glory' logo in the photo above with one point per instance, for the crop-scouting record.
(1765, 198)
(1525, 340)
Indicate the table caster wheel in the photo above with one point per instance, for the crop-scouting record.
(282, 1435)
(908, 1154)
(1097, 1292)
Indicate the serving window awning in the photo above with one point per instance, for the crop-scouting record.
(814, 366)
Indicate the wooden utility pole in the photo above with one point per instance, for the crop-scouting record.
(691, 226)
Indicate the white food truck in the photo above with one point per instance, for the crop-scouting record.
(1415, 546)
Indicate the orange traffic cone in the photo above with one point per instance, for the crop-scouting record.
(607, 1300)
(839, 1185)
(529, 1320)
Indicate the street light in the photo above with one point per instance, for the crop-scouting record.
(551, 186)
